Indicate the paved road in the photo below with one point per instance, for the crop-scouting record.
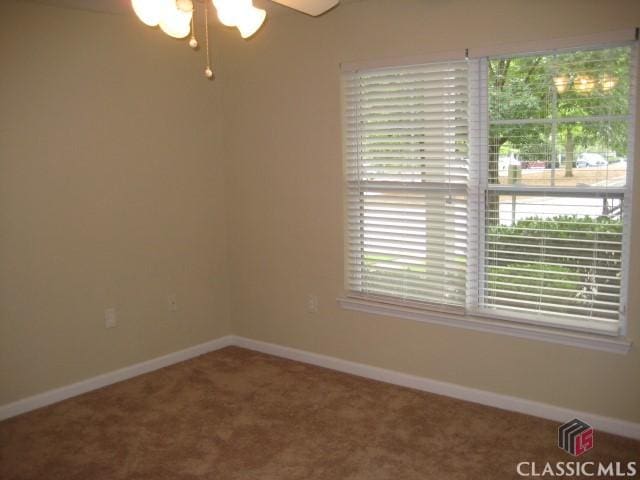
(547, 207)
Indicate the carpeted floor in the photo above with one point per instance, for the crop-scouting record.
(238, 414)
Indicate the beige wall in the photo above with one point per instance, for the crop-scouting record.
(119, 180)
(111, 194)
(282, 123)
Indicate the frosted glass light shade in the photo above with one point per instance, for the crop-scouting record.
(251, 21)
(176, 22)
(175, 29)
(583, 84)
(149, 11)
(230, 12)
(561, 83)
(185, 5)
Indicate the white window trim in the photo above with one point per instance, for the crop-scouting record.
(479, 311)
(486, 321)
(629, 193)
(620, 345)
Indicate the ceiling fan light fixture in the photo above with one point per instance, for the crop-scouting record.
(231, 12)
(310, 7)
(175, 28)
(176, 22)
(185, 5)
(251, 21)
(148, 11)
(176, 18)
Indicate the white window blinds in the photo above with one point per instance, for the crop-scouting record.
(407, 174)
(556, 194)
(496, 187)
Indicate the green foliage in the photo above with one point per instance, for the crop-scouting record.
(573, 227)
(569, 257)
(524, 88)
(517, 279)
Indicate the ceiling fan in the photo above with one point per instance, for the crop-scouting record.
(176, 17)
(310, 7)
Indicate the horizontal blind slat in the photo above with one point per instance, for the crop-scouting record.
(407, 171)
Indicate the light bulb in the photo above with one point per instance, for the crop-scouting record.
(230, 12)
(251, 21)
(148, 11)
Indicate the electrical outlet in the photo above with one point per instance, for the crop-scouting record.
(172, 302)
(110, 320)
(312, 303)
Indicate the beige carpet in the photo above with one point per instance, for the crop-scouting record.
(237, 414)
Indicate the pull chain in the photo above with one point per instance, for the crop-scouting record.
(193, 41)
(208, 72)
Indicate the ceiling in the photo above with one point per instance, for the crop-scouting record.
(124, 6)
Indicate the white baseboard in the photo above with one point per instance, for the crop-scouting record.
(505, 402)
(93, 383)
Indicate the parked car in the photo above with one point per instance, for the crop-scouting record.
(591, 160)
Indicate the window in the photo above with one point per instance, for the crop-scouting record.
(496, 187)
(407, 176)
(555, 187)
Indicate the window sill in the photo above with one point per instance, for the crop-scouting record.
(619, 345)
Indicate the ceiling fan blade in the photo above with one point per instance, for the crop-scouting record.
(310, 7)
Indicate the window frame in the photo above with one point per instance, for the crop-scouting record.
(475, 317)
(625, 193)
